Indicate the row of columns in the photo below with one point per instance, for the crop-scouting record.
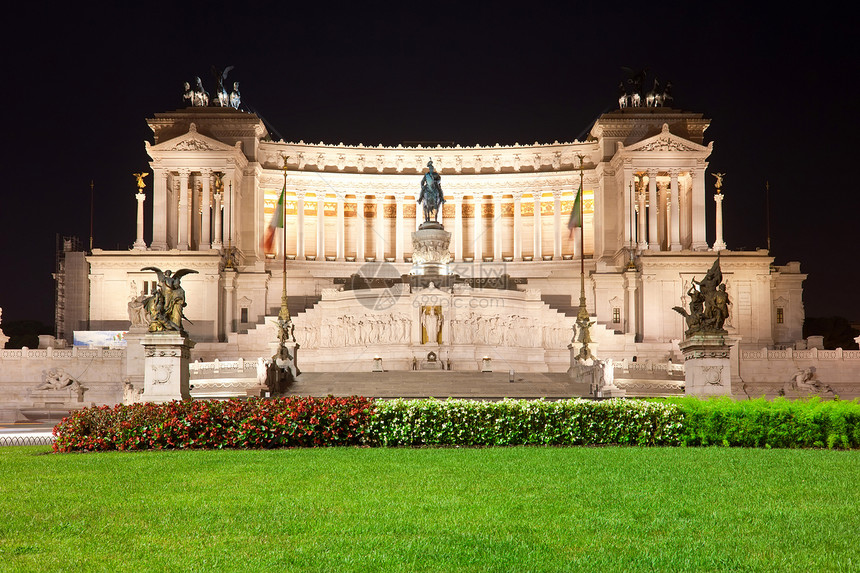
(477, 245)
(671, 214)
(202, 221)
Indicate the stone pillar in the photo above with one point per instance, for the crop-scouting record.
(719, 244)
(206, 226)
(320, 226)
(362, 228)
(643, 239)
(556, 224)
(300, 225)
(675, 223)
(699, 227)
(378, 228)
(458, 226)
(139, 244)
(497, 226)
(707, 365)
(216, 241)
(340, 230)
(398, 226)
(653, 240)
(229, 278)
(478, 242)
(518, 240)
(631, 313)
(537, 252)
(166, 358)
(182, 237)
(159, 209)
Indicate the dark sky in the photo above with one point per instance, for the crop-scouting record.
(780, 88)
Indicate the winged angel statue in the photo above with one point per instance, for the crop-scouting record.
(166, 303)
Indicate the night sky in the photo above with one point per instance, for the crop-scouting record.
(780, 88)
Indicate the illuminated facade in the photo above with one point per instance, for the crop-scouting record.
(217, 177)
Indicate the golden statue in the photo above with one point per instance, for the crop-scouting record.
(140, 183)
(719, 183)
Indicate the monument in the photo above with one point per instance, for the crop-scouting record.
(430, 255)
(167, 347)
(706, 347)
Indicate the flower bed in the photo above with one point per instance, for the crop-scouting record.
(524, 422)
(281, 422)
(313, 422)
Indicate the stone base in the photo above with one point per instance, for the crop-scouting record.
(430, 255)
(707, 365)
(166, 358)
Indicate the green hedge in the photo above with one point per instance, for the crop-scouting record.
(762, 423)
(520, 422)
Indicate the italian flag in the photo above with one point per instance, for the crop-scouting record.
(576, 213)
(277, 222)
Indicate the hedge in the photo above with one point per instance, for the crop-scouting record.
(780, 423)
(255, 423)
(524, 422)
(312, 422)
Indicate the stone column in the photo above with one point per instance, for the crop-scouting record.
(340, 230)
(719, 244)
(675, 223)
(684, 206)
(478, 242)
(159, 209)
(320, 226)
(643, 240)
(206, 226)
(182, 237)
(300, 225)
(362, 228)
(556, 224)
(518, 211)
(699, 229)
(458, 226)
(653, 240)
(537, 253)
(216, 241)
(398, 226)
(139, 244)
(378, 229)
(497, 226)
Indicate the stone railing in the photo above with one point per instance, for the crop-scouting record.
(61, 353)
(790, 354)
(226, 366)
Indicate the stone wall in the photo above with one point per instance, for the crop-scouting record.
(45, 384)
(799, 373)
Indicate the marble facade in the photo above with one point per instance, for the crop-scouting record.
(217, 177)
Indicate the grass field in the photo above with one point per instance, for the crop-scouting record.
(495, 509)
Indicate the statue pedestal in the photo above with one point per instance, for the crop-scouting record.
(166, 358)
(430, 255)
(288, 365)
(707, 365)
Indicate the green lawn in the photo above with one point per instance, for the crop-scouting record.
(494, 509)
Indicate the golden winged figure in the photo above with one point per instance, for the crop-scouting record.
(140, 183)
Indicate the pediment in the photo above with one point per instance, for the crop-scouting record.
(667, 141)
(192, 141)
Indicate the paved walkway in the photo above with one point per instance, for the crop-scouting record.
(26, 434)
(438, 384)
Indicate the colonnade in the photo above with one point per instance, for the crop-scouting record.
(484, 227)
(664, 209)
(192, 209)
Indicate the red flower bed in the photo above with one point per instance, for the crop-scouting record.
(254, 423)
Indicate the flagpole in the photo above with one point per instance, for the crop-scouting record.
(582, 316)
(767, 211)
(284, 314)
